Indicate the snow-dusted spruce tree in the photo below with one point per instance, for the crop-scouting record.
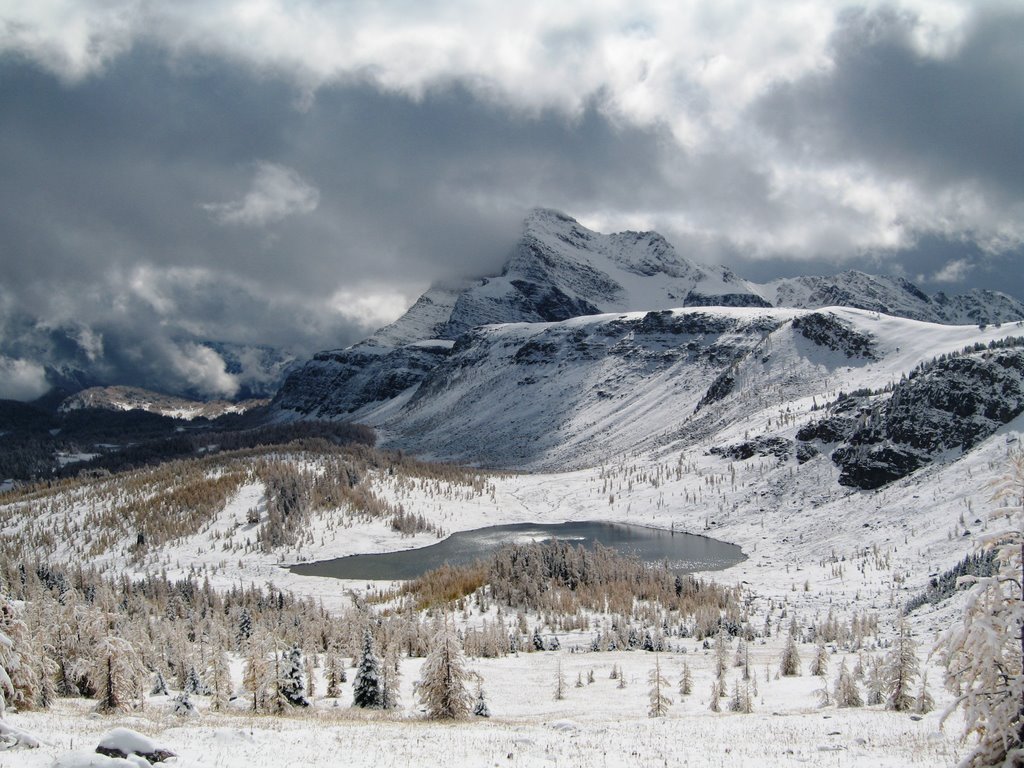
(901, 670)
(819, 664)
(442, 684)
(335, 673)
(159, 687)
(309, 665)
(659, 700)
(6, 659)
(256, 676)
(219, 675)
(716, 694)
(368, 691)
(874, 681)
(291, 682)
(721, 655)
(742, 700)
(194, 684)
(390, 674)
(559, 680)
(9, 735)
(924, 703)
(983, 655)
(480, 708)
(21, 674)
(182, 706)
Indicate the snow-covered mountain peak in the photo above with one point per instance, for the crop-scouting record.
(559, 270)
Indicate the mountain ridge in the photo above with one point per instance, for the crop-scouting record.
(559, 270)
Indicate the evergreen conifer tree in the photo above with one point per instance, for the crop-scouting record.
(538, 641)
(6, 686)
(368, 687)
(220, 679)
(559, 681)
(924, 703)
(742, 699)
(17, 672)
(116, 674)
(845, 692)
(685, 681)
(291, 681)
(480, 708)
(875, 682)
(182, 705)
(335, 673)
(390, 673)
(789, 665)
(819, 665)
(159, 685)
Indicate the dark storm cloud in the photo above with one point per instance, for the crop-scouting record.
(945, 126)
(940, 120)
(164, 204)
(174, 174)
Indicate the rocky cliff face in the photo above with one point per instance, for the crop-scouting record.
(570, 393)
(892, 296)
(948, 406)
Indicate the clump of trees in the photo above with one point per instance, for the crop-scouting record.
(944, 585)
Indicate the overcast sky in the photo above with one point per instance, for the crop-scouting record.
(295, 172)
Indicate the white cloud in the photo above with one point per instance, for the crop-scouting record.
(276, 192)
(649, 60)
(70, 38)
(953, 272)
(21, 379)
(372, 308)
(203, 369)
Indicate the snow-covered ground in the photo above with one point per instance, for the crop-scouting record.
(812, 545)
(598, 724)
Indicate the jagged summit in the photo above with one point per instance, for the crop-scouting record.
(892, 296)
(560, 269)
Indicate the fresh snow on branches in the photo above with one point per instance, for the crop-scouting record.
(983, 655)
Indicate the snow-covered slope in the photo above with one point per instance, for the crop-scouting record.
(560, 270)
(136, 399)
(582, 391)
(892, 296)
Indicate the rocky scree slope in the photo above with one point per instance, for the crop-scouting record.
(136, 399)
